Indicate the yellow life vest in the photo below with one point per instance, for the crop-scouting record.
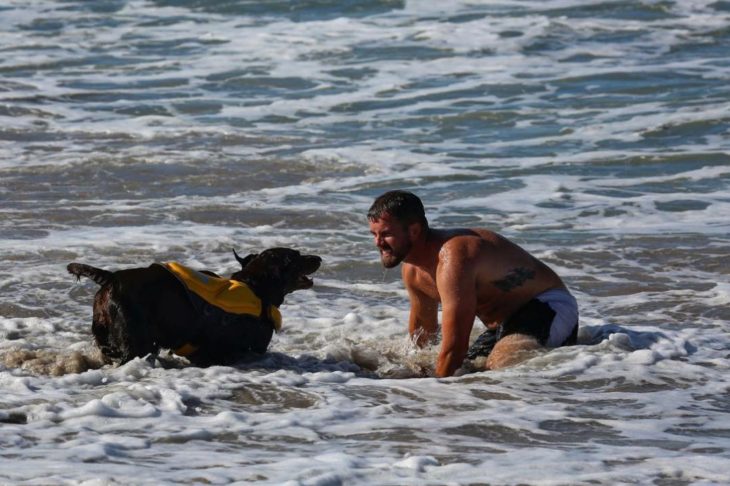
(229, 295)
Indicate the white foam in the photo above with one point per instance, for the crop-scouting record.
(509, 114)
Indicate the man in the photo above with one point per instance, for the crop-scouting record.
(472, 273)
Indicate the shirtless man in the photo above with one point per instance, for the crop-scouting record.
(472, 273)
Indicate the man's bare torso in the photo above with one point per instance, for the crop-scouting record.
(506, 276)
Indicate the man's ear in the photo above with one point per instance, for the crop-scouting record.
(415, 230)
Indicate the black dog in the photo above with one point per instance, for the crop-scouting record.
(139, 310)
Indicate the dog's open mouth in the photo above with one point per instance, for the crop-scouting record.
(311, 266)
(304, 282)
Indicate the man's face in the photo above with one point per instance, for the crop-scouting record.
(391, 238)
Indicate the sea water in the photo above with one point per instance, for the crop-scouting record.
(594, 133)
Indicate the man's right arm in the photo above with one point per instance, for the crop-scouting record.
(423, 319)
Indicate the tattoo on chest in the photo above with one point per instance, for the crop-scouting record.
(514, 279)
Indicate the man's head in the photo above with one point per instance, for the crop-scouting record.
(396, 219)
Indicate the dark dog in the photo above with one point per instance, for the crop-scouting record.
(139, 310)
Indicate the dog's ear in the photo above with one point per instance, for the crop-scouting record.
(245, 261)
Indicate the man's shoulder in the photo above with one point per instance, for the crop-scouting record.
(467, 244)
(409, 271)
(417, 281)
(468, 236)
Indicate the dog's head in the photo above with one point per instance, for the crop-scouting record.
(275, 272)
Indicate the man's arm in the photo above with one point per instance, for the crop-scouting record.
(456, 280)
(423, 319)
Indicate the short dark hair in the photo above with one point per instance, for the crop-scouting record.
(404, 206)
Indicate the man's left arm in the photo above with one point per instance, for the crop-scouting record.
(456, 281)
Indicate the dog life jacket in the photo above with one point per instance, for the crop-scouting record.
(228, 295)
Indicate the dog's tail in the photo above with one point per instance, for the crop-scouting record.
(102, 277)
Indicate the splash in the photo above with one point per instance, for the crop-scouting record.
(42, 362)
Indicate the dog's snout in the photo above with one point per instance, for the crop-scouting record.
(313, 262)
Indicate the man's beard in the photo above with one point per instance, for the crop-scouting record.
(395, 256)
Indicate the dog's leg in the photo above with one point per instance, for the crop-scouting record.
(152, 358)
(134, 330)
(229, 337)
(103, 322)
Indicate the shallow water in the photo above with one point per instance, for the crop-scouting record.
(595, 134)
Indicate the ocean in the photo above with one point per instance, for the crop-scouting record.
(593, 133)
